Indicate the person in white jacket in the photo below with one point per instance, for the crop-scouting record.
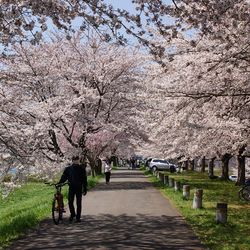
(107, 170)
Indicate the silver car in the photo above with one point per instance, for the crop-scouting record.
(160, 164)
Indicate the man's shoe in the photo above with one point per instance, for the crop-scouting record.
(78, 220)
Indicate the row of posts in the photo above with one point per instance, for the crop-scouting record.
(221, 208)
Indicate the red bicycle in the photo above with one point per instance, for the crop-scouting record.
(57, 203)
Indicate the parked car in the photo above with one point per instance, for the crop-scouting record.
(160, 164)
(233, 177)
(147, 161)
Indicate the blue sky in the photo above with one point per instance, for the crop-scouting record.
(127, 4)
(130, 7)
(122, 4)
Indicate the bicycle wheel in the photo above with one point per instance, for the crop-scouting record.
(56, 211)
(245, 193)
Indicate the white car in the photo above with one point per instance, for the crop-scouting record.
(233, 177)
(160, 164)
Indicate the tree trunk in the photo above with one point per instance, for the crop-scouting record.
(225, 168)
(92, 172)
(179, 168)
(186, 165)
(203, 164)
(114, 160)
(98, 167)
(211, 168)
(241, 166)
(92, 166)
(192, 165)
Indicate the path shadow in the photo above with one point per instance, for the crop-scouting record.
(129, 180)
(128, 169)
(112, 232)
(128, 175)
(123, 185)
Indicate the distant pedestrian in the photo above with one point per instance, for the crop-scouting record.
(107, 170)
(133, 163)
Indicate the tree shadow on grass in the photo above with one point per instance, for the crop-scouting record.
(17, 226)
(113, 232)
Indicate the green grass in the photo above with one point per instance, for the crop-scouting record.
(26, 207)
(93, 181)
(232, 236)
(142, 167)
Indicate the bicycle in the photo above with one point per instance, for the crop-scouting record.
(57, 203)
(244, 192)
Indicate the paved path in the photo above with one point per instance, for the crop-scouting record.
(129, 213)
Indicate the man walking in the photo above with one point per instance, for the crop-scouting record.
(75, 174)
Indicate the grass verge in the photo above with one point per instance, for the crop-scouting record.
(232, 236)
(26, 207)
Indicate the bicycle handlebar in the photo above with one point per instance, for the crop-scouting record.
(56, 184)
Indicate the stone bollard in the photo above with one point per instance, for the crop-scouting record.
(166, 180)
(177, 186)
(186, 192)
(221, 213)
(161, 177)
(158, 175)
(197, 201)
(171, 182)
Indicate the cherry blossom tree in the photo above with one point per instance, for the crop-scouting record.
(214, 79)
(194, 103)
(202, 95)
(58, 96)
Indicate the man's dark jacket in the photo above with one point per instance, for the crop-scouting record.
(76, 176)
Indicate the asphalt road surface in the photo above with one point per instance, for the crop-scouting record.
(129, 213)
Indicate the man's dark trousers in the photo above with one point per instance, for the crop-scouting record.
(72, 193)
